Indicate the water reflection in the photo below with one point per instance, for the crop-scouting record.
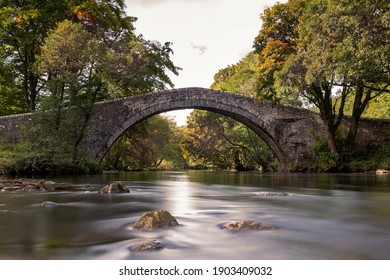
(179, 194)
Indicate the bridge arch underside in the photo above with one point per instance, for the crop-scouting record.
(239, 114)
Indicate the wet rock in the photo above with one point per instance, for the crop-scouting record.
(31, 185)
(115, 187)
(149, 245)
(50, 204)
(382, 172)
(271, 194)
(155, 219)
(30, 188)
(11, 189)
(246, 225)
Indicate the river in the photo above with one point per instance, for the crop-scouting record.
(319, 216)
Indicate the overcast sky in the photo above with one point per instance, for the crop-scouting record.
(207, 35)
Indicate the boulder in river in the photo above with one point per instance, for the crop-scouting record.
(50, 204)
(246, 225)
(149, 245)
(155, 219)
(115, 187)
(271, 194)
(382, 172)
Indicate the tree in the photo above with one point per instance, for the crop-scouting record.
(24, 26)
(214, 141)
(343, 49)
(81, 69)
(151, 144)
(22, 29)
(11, 101)
(227, 143)
(134, 66)
(275, 43)
(335, 49)
(239, 77)
(70, 62)
(93, 56)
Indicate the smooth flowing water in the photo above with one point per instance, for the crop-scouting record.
(323, 216)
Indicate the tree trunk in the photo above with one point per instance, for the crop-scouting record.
(325, 104)
(359, 105)
(331, 137)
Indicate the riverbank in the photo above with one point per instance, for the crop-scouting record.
(15, 164)
(38, 185)
(42, 185)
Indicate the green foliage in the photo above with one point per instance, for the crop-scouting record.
(329, 53)
(25, 25)
(11, 101)
(276, 41)
(239, 77)
(136, 66)
(378, 107)
(7, 157)
(326, 161)
(151, 144)
(52, 145)
(65, 56)
(213, 141)
(373, 158)
(38, 156)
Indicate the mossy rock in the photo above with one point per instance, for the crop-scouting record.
(246, 225)
(115, 187)
(155, 219)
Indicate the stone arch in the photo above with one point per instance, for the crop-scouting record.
(287, 130)
(246, 110)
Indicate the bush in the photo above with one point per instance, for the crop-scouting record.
(325, 160)
(349, 161)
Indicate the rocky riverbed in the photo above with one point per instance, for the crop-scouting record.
(31, 185)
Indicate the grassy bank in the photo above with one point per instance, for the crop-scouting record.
(16, 160)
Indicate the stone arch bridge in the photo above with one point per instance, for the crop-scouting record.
(288, 131)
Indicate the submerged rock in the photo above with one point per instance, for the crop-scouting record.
(115, 187)
(271, 194)
(50, 204)
(155, 219)
(246, 225)
(149, 245)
